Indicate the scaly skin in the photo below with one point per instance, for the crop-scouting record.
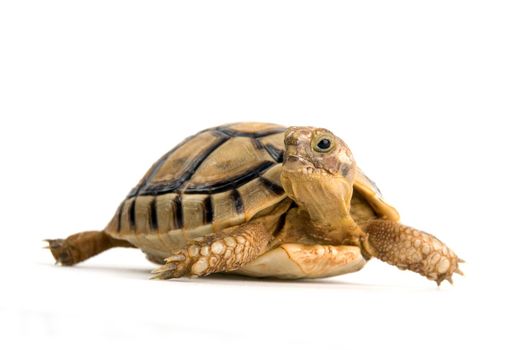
(321, 180)
(219, 252)
(408, 248)
(318, 174)
(82, 246)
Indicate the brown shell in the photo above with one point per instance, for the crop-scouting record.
(369, 190)
(218, 178)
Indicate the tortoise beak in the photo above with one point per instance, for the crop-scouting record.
(291, 158)
(294, 162)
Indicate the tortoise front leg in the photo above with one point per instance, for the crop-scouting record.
(217, 252)
(408, 248)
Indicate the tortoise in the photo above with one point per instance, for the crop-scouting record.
(261, 200)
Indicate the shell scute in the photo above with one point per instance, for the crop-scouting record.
(222, 167)
(371, 193)
(218, 178)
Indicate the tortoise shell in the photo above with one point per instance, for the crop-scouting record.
(219, 178)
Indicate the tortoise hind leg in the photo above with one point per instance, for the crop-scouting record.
(217, 252)
(82, 246)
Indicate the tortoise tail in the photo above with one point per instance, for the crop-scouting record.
(82, 246)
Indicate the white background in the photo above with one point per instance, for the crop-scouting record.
(429, 96)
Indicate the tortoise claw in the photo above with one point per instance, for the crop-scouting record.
(448, 276)
(53, 243)
(440, 279)
(161, 276)
(176, 266)
(444, 278)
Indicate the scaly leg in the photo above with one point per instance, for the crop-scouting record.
(217, 252)
(408, 248)
(82, 246)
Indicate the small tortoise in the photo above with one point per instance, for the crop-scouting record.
(261, 200)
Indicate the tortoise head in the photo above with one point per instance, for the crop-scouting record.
(318, 174)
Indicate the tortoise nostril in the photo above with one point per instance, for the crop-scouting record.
(291, 140)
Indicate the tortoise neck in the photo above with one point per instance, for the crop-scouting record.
(343, 230)
(326, 197)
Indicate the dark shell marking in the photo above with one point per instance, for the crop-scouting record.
(215, 179)
(146, 187)
(182, 202)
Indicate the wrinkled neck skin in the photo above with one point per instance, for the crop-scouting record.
(326, 197)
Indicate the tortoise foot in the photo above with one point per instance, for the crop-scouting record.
(82, 246)
(61, 250)
(218, 252)
(175, 266)
(412, 249)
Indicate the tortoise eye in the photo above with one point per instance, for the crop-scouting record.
(323, 144)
